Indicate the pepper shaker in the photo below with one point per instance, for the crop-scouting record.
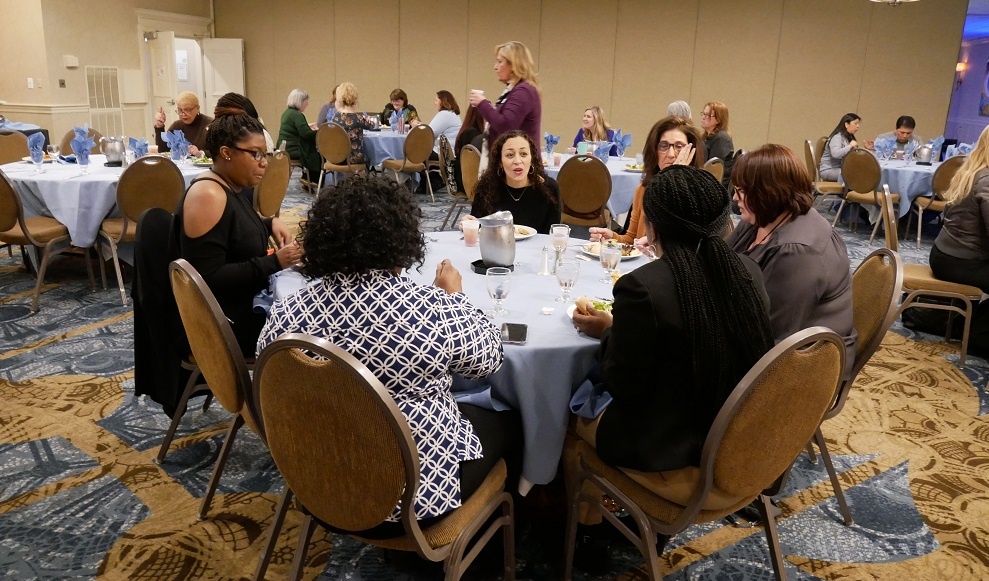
(544, 269)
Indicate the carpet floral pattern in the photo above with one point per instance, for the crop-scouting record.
(80, 495)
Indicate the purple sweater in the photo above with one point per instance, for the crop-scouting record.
(521, 109)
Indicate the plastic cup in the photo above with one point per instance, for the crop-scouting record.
(471, 228)
(557, 159)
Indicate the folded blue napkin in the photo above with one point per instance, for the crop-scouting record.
(936, 146)
(551, 141)
(884, 146)
(622, 142)
(177, 143)
(139, 147)
(965, 148)
(36, 146)
(17, 126)
(393, 120)
(909, 148)
(590, 400)
(603, 150)
(82, 144)
(67, 158)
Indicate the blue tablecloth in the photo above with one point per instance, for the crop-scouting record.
(623, 182)
(537, 378)
(910, 181)
(382, 145)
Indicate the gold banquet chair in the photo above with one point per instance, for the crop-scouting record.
(150, 182)
(269, 194)
(812, 157)
(761, 428)
(13, 146)
(919, 281)
(470, 169)
(218, 356)
(418, 146)
(460, 199)
(876, 287)
(330, 475)
(42, 232)
(585, 188)
(862, 174)
(716, 167)
(66, 146)
(333, 145)
(942, 180)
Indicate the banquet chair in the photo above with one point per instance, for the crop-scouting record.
(919, 281)
(585, 188)
(418, 146)
(218, 356)
(299, 377)
(862, 176)
(150, 182)
(44, 233)
(876, 287)
(333, 145)
(715, 167)
(813, 160)
(270, 192)
(470, 169)
(66, 147)
(942, 179)
(460, 199)
(13, 146)
(763, 425)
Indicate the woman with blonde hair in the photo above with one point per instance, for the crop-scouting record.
(520, 105)
(354, 123)
(717, 138)
(593, 127)
(961, 250)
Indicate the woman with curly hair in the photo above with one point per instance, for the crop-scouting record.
(515, 181)
(359, 237)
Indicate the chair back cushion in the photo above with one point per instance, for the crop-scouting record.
(419, 144)
(861, 172)
(150, 182)
(268, 195)
(944, 174)
(585, 187)
(13, 146)
(211, 339)
(715, 167)
(470, 165)
(334, 431)
(773, 412)
(333, 143)
(66, 146)
(10, 204)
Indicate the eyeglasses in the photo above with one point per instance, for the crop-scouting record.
(737, 191)
(664, 147)
(708, 116)
(188, 111)
(257, 155)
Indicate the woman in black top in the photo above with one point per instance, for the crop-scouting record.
(220, 233)
(515, 181)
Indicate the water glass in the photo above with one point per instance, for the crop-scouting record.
(566, 274)
(53, 151)
(610, 257)
(499, 282)
(38, 158)
(83, 160)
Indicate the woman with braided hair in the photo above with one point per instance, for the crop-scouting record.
(683, 331)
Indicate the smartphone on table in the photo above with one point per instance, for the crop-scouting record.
(514, 333)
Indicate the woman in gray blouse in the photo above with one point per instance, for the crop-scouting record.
(803, 259)
(840, 142)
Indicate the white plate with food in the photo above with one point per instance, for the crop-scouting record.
(631, 167)
(523, 232)
(28, 159)
(598, 304)
(594, 249)
(202, 162)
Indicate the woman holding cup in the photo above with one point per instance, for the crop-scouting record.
(520, 105)
(594, 127)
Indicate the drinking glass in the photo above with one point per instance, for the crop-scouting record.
(83, 160)
(38, 158)
(559, 235)
(499, 281)
(53, 151)
(566, 275)
(610, 257)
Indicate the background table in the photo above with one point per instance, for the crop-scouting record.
(539, 377)
(909, 181)
(382, 145)
(623, 182)
(80, 202)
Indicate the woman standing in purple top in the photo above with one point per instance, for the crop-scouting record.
(520, 105)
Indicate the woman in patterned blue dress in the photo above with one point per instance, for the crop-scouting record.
(359, 237)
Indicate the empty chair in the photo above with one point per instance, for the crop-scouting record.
(270, 192)
(418, 146)
(66, 147)
(585, 188)
(715, 167)
(13, 146)
(460, 199)
(862, 174)
(149, 182)
(942, 179)
(334, 146)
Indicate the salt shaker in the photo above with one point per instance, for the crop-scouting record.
(544, 270)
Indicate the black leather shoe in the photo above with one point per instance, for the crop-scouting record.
(592, 553)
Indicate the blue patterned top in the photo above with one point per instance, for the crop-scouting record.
(413, 338)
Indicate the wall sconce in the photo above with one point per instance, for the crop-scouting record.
(960, 69)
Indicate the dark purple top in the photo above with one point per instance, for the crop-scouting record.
(522, 109)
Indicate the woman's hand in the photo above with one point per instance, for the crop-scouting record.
(593, 324)
(686, 155)
(289, 254)
(476, 98)
(853, 144)
(460, 225)
(194, 151)
(642, 245)
(415, 123)
(599, 234)
(160, 118)
(448, 277)
(869, 144)
(280, 232)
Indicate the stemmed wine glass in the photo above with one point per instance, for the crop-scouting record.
(38, 158)
(566, 274)
(499, 282)
(53, 151)
(610, 257)
(559, 236)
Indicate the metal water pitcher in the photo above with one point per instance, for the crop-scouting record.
(497, 239)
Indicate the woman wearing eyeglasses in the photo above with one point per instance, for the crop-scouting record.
(191, 122)
(717, 139)
(671, 141)
(222, 236)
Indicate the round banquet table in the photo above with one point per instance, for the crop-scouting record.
(382, 145)
(910, 181)
(80, 202)
(539, 377)
(623, 181)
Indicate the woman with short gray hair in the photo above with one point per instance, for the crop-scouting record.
(299, 136)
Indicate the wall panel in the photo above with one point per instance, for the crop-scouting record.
(433, 53)
(367, 49)
(490, 24)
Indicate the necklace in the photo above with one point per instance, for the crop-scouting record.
(518, 199)
(771, 230)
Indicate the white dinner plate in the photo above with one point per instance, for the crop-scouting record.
(28, 159)
(203, 163)
(594, 249)
(523, 232)
(634, 170)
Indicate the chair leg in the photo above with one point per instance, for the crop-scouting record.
(837, 215)
(208, 400)
(305, 533)
(89, 270)
(120, 276)
(570, 538)
(429, 184)
(874, 230)
(221, 461)
(508, 511)
(273, 530)
(920, 222)
(965, 333)
(810, 453)
(772, 539)
(190, 388)
(835, 484)
(455, 204)
(41, 276)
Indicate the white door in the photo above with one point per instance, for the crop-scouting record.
(223, 69)
(161, 59)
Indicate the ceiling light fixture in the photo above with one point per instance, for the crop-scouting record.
(893, 2)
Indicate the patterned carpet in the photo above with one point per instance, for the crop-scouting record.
(81, 498)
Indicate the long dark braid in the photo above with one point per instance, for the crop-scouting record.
(722, 311)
